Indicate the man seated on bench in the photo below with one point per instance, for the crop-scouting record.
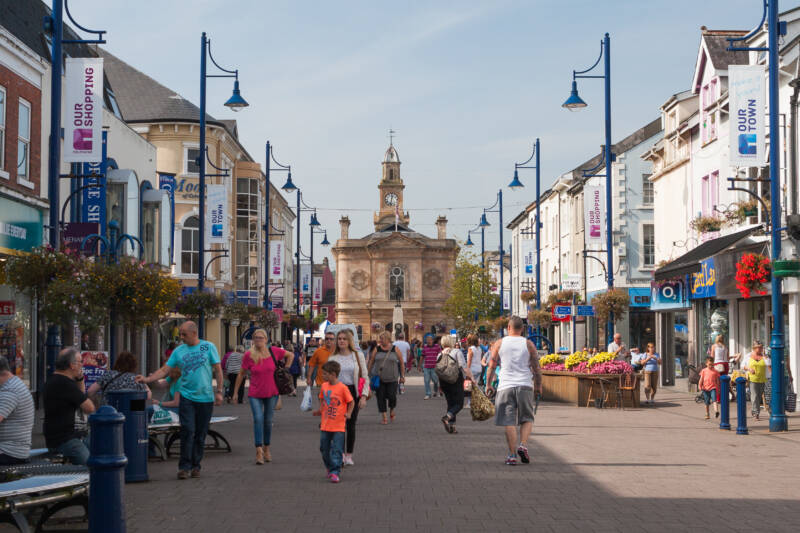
(64, 396)
(16, 417)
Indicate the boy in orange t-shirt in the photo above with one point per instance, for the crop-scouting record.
(709, 386)
(336, 406)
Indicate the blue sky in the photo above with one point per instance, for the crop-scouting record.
(467, 85)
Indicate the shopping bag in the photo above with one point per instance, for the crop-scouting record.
(305, 405)
(481, 408)
(162, 416)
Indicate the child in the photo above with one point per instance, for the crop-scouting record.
(709, 384)
(336, 406)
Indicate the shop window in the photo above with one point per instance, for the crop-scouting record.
(190, 245)
(24, 141)
(2, 129)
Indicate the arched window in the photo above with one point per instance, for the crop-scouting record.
(190, 245)
(396, 283)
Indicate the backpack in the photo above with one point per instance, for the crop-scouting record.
(447, 368)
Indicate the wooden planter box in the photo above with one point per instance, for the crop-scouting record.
(573, 388)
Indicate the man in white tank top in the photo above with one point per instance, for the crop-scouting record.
(520, 379)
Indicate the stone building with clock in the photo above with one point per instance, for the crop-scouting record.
(393, 264)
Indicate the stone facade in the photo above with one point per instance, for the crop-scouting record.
(394, 261)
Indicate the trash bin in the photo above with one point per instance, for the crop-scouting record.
(132, 404)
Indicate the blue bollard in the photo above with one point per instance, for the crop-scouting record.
(724, 402)
(106, 471)
(741, 406)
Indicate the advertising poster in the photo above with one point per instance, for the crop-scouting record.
(94, 364)
(83, 109)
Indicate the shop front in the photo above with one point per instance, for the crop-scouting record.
(21, 230)
(641, 320)
(669, 299)
(711, 314)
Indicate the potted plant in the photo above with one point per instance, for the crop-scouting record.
(706, 224)
(752, 272)
(611, 303)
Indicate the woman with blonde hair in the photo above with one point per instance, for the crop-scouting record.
(453, 392)
(354, 375)
(384, 361)
(260, 363)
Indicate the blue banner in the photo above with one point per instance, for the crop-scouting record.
(704, 283)
(167, 182)
(93, 204)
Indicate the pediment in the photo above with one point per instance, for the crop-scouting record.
(394, 240)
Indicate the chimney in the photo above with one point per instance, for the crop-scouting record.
(441, 226)
(344, 224)
(325, 262)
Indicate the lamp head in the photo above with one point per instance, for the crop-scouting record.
(289, 186)
(325, 241)
(469, 241)
(574, 102)
(483, 223)
(314, 222)
(515, 183)
(236, 102)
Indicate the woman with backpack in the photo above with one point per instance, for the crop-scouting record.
(449, 369)
(382, 364)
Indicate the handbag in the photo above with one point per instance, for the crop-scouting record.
(283, 380)
(375, 381)
(447, 368)
(480, 407)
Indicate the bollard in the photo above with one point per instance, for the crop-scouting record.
(724, 402)
(741, 406)
(106, 472)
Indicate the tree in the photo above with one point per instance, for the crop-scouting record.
(471, 299)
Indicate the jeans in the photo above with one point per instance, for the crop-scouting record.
(350, 426)
(74, 451)
(387, 392)
(195, 418)
(756, 390)
(263, 410)
(454, 394)
(231, 384)
(331, 444)
(429, 375)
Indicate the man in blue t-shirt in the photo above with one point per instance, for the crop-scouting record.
(196, 359)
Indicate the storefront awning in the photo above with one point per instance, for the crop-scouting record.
(689, 262)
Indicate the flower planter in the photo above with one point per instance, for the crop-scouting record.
(573, 388)
(786, 268)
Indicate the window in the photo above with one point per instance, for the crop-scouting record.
(190, 245)
(2, 129)
(150, 231)
(647, 190)
(24, 141)
(248, 234)
(324, 311)
(649, 245)
(190, 165)
(115, 204)
(396, 283)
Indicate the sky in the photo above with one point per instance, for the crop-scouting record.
(468, 86)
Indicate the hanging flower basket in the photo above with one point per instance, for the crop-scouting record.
(418, 326)
(703, 224)
(752, 272)
(267, 319)
(527, 296)
(376, 327)
(539, 317)
(614, 302)
(440, 327)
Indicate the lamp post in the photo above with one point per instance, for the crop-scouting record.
(534, 154)
(314, 227)
(777, 419)
(268, 227)
(574, 103)
(235, 103)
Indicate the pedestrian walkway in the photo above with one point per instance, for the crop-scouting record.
(651, 469)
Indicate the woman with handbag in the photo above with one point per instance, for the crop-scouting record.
(261, 363)
(453, 391)
(473, 368)
(354, 375)
(382, 360)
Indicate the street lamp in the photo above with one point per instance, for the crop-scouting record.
(574, 103)
(236, 103)
(314, 227)
(268, 227)
(534, 154)
(777, 419)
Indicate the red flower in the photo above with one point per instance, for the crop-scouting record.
(752, 272)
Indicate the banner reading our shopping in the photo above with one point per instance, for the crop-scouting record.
(276, 260)
(594, 205)
(83, 109)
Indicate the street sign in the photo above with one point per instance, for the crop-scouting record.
(563, 310)
(571, 282)
(585, 310)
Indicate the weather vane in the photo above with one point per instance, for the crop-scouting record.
(392, 134)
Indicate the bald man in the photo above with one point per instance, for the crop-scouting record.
(196, 359)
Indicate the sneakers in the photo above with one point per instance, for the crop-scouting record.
(427, 397)
(347, 459)
(195, 472)
(511, 460)
(334, 478)
(183, 474)
(522, 451)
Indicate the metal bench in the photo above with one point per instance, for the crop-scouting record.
(171, 434)
(40, 492)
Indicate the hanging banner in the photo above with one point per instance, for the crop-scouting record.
(594, 205)
(167, 182)
(746, 123)
(305, 279)
(83, 109)
(317, 294)
(216, 214)
(528, 257)
(506, 300)
(276, 260)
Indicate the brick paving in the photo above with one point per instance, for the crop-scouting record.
(661, 469)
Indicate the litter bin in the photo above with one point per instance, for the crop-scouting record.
(132, 404)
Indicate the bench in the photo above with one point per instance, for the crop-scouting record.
(171, 433)
(41, 491)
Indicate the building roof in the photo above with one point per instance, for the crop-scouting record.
(391, 155)
(717, 46)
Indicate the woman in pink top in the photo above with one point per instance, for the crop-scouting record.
(259, 362)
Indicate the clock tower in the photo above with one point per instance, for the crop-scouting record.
(390, 191)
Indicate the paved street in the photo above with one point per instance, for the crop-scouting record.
(662, 469)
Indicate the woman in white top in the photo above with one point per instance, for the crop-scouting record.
(353, 371)
(453, 392)
(720, 354)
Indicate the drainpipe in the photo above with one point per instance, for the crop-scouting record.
(795, 85)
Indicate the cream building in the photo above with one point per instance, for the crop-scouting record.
(394, 263)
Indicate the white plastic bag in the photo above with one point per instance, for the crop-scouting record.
(305, 405)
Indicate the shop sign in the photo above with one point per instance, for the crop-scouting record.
(21, 226)
(75, 232)
(747, 132)
(95, 365)
(704, 283)
(639, 296)
(669, 294)
(571, 282)
(83, 109)
(186, 190)
(7, 310)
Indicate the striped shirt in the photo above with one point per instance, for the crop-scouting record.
(16, 408)
(234, 363)
(430, 353)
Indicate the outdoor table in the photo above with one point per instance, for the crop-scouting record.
(51, 491)
(171, 433)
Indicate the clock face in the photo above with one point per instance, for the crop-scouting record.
(390, 199)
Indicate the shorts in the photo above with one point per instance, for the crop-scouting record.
(513, 406)
(709, 396)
